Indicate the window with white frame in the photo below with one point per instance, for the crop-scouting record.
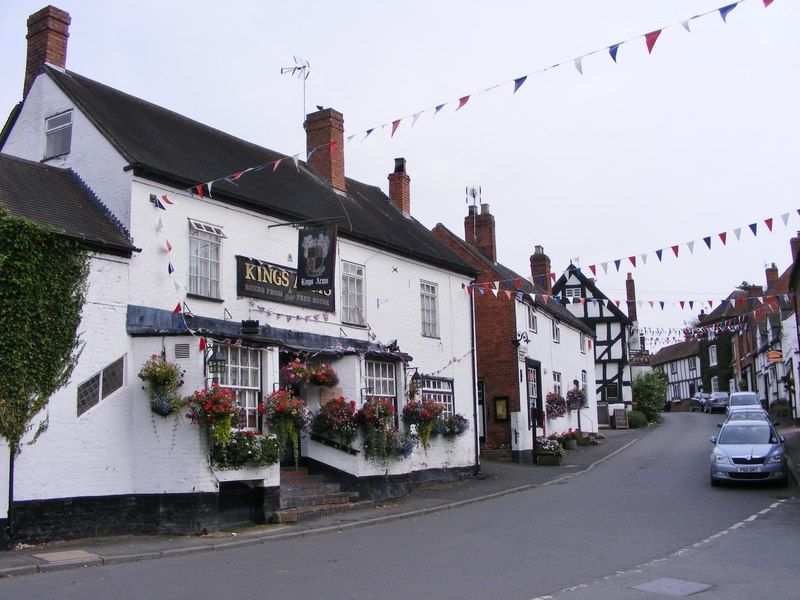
(712, 356)
(583, 380)
(692, 365)
(556, 332)
(380, 379)
(441, 391)
(205, 244)
(714, 384)
(572, 292)
(557, 382)
(428, 296)
(352, 293)
(101, 385)
(58, 134)
(243, 375)
(583, 342)
(533, 385)
(673, 367)
(532, 320)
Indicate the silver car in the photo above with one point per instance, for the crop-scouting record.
(742, 400)
(748, 451)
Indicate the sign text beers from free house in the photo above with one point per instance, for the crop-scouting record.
(266, 281)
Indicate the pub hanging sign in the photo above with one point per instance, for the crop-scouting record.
(266, 281)
(316, 258)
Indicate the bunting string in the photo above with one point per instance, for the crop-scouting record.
(461, 101)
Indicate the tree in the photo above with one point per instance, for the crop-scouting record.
(43, 275)
(650, 394)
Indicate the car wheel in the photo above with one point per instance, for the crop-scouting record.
(714, 482)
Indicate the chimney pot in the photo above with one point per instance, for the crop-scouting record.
(48, 30)
(325, 135)
(540, 269)
(484, 208)
(400, 186)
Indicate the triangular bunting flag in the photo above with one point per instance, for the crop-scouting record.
(160, 225)
(768, 223)
(617, 263)
(578, 64)
(691, 247)
(686, 25)
(767, 3)
(651, 303)
(198, 189)
(395, 125)
(659, 253)
(644, 258)
(723, 237)
(494, 291)
(612, 50)
(650, 39)
(662, 304)
(605, 267)
(202, 344)
(438, 108)
(723, 12)
(785, 218)
(368, 132)
(208, 185)
(169, 246)
(177, 309)
(414, 118)
(707, 240)
(691, 304)
(158, 204)
(462, 102)
(518, 83)
(178, 285)
(710, 303)
(681, 302)
(296, 159)
(545, 298)
(166, 200)
(170, 269)
(593, 269)
(310, 153)
(754, 228)
(633, 260)
(508, 294)
(675, 249)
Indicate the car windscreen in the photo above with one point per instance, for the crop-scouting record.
(747, 434)
(745, 400)
(748, 415)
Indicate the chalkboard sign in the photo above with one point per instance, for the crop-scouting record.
(620, 418)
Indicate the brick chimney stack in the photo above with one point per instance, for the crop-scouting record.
(795, 243)
(400, 186)
(322, 128)
(48, 30)
(772, 275)
(479, 231)
(630, 292)
(540, 269)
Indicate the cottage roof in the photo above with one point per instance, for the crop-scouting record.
(57, 197)
(163, 145)
(502, 272)
(675, 352)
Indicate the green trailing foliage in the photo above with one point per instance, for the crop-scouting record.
(650, 394)
(43, 289)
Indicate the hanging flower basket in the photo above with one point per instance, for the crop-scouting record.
(576, 400)
(287, 416)
(214, 409)
(323, 375)
(556, 405)
(337, 419)
(163, 378)
(296, 373)
(422, 413)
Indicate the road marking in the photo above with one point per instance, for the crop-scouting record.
(638, 568)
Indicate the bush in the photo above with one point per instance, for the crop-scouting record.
(649, 394)
(636, 419)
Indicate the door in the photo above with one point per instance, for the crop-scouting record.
(534, 393)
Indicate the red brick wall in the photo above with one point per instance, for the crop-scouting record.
(322, 128)
(400, 186)
(495, 330)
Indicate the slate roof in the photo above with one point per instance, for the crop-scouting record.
(596, 292)
(165, 146)
(726, 311)
(57, 197)
(675, 352)
(553, 308)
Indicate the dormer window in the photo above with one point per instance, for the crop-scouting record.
(58, 135)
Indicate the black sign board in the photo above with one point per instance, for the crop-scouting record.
(316, 258)
(259, 279)
(620, 418)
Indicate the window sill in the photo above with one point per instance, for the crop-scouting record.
(209, 298)
(356, 325)
(431, 337)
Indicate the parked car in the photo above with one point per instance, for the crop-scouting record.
(748, 451)
(748, 413)
(717, 401)
(698, 402)
(743, 400)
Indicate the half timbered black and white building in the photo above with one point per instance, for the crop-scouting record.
(611, 351)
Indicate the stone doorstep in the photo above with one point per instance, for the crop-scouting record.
(66, 556)
(309, 513)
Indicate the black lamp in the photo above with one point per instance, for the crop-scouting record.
(216, 364)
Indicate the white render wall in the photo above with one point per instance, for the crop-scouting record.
(790, 353)
(91, 155)
(564, 357)
(392, 289)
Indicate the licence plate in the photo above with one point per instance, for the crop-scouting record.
(749, 469)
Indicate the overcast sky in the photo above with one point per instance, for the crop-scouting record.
(699, 137)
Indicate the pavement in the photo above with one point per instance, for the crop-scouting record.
(497, 479)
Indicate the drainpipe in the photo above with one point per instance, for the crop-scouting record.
(477, 467)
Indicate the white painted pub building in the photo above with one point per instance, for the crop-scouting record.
(398, 307)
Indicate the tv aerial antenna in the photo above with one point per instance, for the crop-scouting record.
(474, 193)
(301, 70)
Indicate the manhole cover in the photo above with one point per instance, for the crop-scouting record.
(66, 556)
(677, 588)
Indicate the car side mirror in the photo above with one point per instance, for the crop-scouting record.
(776, 423)
(714, 440)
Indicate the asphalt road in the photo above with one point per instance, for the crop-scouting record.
(645, 503)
